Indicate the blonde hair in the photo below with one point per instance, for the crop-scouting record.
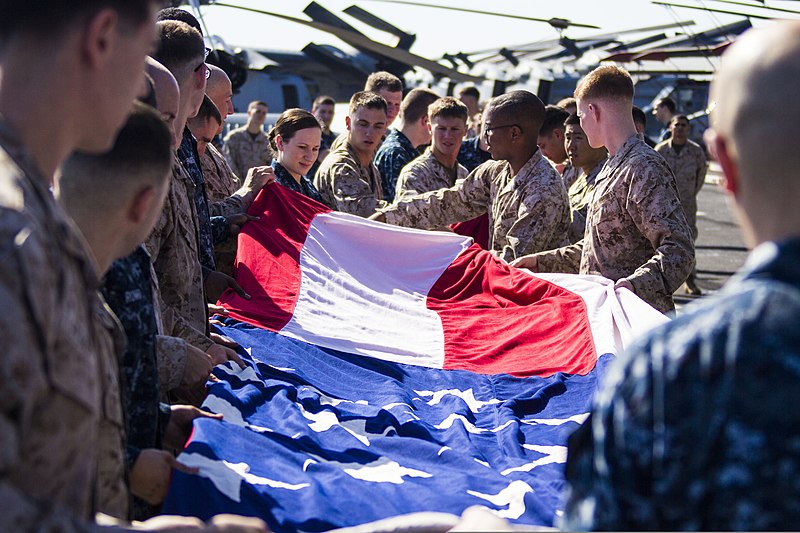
(607, 82)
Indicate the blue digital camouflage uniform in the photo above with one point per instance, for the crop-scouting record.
(694, 428)
(305, 187)
(211, 230)
(471, 155)
(395, 153)
(127, 288)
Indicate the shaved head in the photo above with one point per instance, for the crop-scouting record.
(521, 107)
(220, 90)
(166, 92)
(753, 100)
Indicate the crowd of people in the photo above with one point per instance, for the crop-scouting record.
(118, 233)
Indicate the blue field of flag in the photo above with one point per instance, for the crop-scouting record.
(315, 439)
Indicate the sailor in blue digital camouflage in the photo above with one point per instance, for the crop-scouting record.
(636, 232)
(348, 180)
(693, 427)
(521, 192)
(400, 146)
(296, 140)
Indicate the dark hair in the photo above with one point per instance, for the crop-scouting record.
(48, 17)
(383, 80)
(322, 100)
(208, 110)
(676, 118)
(572, 120)
(142, 151)
(367, 99)
(470, 90)
(415, 104)
(554, 118)
(290, 122)
(639, 116)
(564, 103)
(176, 13)
(448, 107)
(520, 107)
(254, 103)
(178, 45)
(669, 102)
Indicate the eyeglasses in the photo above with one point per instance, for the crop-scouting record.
(488, 131)
(203, 64)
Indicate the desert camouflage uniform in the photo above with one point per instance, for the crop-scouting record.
(60, 417)
(470, 154)
(579, 195)
(221, 182)
(426, 173)
(689, 166)
(347, 186)
(395, 153)
(528, 212)
(243, 152)
(693, 429)
(635, 228)
(305, 187)
(173, 246)
(569, 175)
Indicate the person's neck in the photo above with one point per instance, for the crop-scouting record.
(517, 161)
(617, 132)
(294, 175)
(447, 161)
(28, 100)
(364, 158)
(102, 240)
(590, 165)
(677, 142)
(253, 128)
(414, 133)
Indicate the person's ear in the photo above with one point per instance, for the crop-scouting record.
(279, 142)
(347, 122)
(98, 37)
(559, 134)
(727, 160)
(141, 204)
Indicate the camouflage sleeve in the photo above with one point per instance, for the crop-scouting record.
(539, 224)
(702, 168)
(566, 259)
(351, 193)
(163, 227)
(177, 326)
(577, 225)
(231, 205)
(655, 209)
(26, 390)
(171, 357)
(465, 200)
(408, 182)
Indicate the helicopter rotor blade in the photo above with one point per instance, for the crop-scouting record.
(555, 22)
(365, 43)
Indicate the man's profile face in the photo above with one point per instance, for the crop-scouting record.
(497, 132)
(324, 114)
(661, 113)
(552, 146)
(588, 117)
(393, 99)
(257, 114)
(578, 150)
(220, 92)
(365, 129)
(446, 135)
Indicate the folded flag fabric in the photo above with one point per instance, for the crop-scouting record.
(392, 371)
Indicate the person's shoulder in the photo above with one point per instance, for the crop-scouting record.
(235, 133)
(338, 161)
(661, 146)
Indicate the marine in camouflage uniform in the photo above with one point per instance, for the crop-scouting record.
(528, 212)
(173, 247)
(346, 186)
(580, 192)
(243, 151)
(689, 165)
(305, 187)
(394, 154)
(426, 173)
(221, 183)
(61, 457)
(635, 228)
(693, 429)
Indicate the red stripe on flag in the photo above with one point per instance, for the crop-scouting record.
(497, 319)
(272, 246)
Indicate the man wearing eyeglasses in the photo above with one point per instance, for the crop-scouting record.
(523, 195)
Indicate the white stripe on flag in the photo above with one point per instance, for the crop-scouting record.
(364, 287)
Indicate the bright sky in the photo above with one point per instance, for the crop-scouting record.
(441, 31)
